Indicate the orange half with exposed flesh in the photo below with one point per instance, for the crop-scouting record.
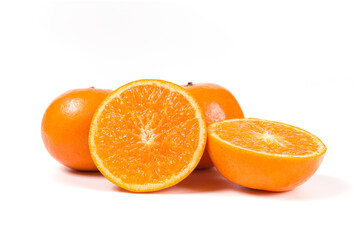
(264, 154)
(147, 135)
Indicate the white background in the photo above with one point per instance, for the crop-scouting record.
(296, 62)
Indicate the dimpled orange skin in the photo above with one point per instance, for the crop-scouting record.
(274, 174)
(218, 104)
(65, 127)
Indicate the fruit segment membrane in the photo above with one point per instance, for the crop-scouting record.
(147, 134)
(269, 137)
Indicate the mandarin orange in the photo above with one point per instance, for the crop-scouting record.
(147, 135)
(264, 154)
(65, 127)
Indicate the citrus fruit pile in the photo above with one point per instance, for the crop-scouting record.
(151, 134)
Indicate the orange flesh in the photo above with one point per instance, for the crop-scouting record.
(147, 134)
(268, 137)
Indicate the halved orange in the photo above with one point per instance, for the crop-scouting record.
(264, 154)
(147, 135)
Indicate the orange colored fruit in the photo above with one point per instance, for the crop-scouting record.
(218, 104)
(263, 154)
(147, 135)
(65, 127)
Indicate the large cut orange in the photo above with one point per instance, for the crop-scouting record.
(263, 154)
(218, 104)
(65, 127)
(147, 135)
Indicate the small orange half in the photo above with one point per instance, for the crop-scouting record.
(147, 135)
(264, 154)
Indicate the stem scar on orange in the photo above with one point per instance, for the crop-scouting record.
(218, 104)
(264, 154)
(147, 135)
(65, 127)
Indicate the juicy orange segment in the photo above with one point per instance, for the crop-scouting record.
(268, 137)
(147, 135)
(264, 154)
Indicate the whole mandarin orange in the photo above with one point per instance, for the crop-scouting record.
(218, 104)
(65, 127)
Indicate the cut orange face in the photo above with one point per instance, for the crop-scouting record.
(263, 154)
(147, 135)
